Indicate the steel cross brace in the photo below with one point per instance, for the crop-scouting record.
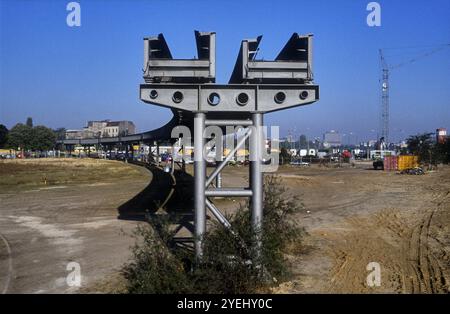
(202, 192)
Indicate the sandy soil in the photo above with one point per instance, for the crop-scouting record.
(356, 216)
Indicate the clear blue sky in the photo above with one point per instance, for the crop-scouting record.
(64, 76)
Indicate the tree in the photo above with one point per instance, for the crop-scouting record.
(442, 152)
(3, 135)
(24, 137)
(285, 144)
(422, 145)
(20, 137)
(60, 133)
(29, 122)
(43, 138)
(284, 156)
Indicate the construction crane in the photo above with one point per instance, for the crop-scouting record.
(385, 71)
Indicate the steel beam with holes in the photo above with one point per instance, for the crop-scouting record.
(223, 99)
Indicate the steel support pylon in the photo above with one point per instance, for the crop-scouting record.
(199, 176)
(256, 179)
(255, 137)
(187, 87)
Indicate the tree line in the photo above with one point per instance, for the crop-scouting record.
(429, 151)
(27, 137)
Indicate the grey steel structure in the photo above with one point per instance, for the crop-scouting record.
(384, 123)
(187, 87)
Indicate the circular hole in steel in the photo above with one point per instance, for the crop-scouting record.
(280, 97)
(177, 97)
(304, 95)
(242, 99)
(213, 99)
(153, 94)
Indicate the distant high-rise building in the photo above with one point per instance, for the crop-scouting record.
(441, 135)
(332, 139)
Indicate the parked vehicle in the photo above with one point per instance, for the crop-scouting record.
(378, 164)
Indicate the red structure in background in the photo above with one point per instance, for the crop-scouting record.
(441, 135)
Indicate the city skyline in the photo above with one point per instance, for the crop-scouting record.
(93, 71)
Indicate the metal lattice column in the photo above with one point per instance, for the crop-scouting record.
(256, 178)
(199, 176)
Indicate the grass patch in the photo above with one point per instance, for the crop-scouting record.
(25, 173)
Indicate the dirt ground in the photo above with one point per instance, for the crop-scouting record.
(353, 216)
(70, 218)
(356, 216)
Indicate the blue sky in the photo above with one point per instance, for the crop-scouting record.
(63, 76)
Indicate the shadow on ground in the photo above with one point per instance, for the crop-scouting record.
(169, 195)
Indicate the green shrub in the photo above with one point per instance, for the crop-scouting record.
(154, 268)
(230, 263)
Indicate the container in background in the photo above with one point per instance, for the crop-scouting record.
(390, 163)
(407, 162)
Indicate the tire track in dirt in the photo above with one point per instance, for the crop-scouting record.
(408, 262)
(429, 272)
(400, 222)
(418, 257)
(366, 242)
(341, 205)
(9, 269)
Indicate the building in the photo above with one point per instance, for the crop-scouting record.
(74, 134)
(97, 126)
(332, 139)
(103, 128)
(111, 130)
(369, 143)
(441, 135)
(118, 128)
